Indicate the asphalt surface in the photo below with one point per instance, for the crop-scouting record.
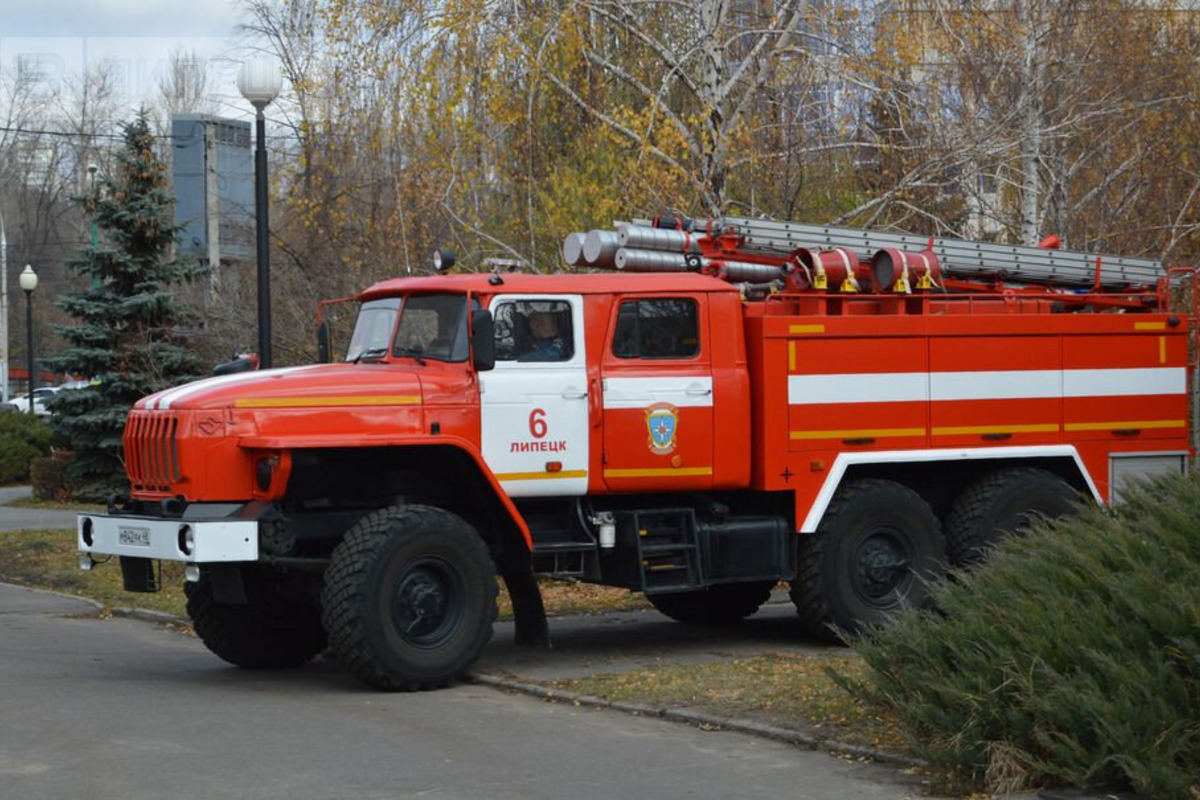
(16, 519)
(117, 708)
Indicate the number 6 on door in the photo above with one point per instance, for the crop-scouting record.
(537, 423)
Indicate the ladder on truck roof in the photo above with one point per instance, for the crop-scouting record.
(764, 250)
(960, 256)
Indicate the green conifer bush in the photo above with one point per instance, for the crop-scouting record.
(23, 437)
(127, 337)
(1071, 657)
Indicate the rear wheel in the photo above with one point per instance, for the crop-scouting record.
(274, 628)
(722, 604)
(877, 545)
(410, 597)
(1007, 501)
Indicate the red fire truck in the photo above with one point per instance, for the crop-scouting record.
(719, 406)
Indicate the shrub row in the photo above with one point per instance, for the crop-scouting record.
(1071, 657)
(23, 437)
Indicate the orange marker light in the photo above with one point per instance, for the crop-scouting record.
(553, 466)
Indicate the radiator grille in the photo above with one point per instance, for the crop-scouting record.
(151, 451)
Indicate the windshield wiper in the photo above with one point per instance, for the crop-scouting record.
(414, 353)
(371, 352)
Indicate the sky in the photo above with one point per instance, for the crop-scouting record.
(61, 37)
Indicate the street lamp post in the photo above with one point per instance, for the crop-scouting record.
(29, 282)
(259, 82)
(93, 169)
(3, 312)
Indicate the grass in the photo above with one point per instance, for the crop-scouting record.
(575, 597)
(49, 560)
(790, 691)
(53, 505)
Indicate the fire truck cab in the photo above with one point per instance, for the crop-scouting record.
(670, 433)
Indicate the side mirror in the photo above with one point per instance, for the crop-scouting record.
(243, 362)
(323, 342)
(483, 341)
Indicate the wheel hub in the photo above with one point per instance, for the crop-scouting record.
(424, 609)
(882, 566)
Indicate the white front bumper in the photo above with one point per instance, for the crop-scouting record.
(145, 537)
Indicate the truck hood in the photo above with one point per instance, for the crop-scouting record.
(318, 385)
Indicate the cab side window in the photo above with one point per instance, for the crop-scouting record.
(534, 330)
(657, 328)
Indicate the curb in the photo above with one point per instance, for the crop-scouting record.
(143, 614)
(146, 615)
(701, 719)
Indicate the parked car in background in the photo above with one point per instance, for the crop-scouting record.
(40, 395)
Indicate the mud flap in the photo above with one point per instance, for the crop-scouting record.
(529, 613)
(139, 575)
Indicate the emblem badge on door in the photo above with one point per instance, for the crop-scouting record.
(662, 423)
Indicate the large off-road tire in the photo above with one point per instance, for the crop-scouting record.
(876, 548)
(1003, 502)
(273, 629)
(409, 598)
(722, 604)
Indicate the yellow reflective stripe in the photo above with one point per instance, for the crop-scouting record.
(791, 356)
(806, 329)
(297, 402)
(1039, 428)
(539, 476)
(1149, 326)
(874, 433)
(1162, 349)
(1124, 424)
(662, 472)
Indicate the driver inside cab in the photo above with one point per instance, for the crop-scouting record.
(546, 340)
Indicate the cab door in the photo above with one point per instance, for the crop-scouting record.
(658, 395)
(534, 404)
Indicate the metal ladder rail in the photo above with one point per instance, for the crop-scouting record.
(957, 256)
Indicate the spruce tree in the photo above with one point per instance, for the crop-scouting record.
(127, 340)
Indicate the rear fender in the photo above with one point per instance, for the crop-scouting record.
(847, 464)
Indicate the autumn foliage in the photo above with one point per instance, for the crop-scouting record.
(496, 129)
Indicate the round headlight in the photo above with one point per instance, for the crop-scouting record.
(187, 540)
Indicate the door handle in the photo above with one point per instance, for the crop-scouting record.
(594, 405)
(698, 391)
(574, 395)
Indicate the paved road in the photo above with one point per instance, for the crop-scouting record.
(124, 709)
(16, 519)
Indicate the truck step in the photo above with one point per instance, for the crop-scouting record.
(668, 553)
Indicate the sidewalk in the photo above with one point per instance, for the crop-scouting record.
(16, 519)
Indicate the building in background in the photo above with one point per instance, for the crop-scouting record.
(213, 174)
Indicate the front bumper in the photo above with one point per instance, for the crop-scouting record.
(188, 541)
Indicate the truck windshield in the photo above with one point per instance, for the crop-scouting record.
(433, 326)
(373, 329)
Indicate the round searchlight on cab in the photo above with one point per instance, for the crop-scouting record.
(443, 260)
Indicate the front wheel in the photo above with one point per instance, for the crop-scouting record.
(876, 547)
(272, 629)
(409, 598)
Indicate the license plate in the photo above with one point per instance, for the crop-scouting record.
(135, 537)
